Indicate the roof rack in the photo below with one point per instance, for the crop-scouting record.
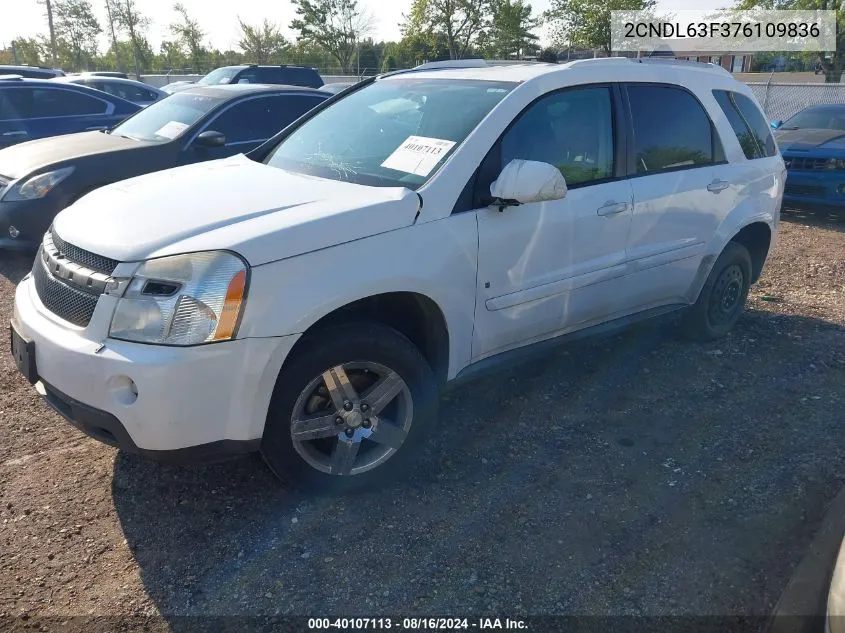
(650, 60)
(11, 77)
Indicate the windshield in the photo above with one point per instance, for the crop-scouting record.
(392, 132)
(219, 76)
(167, 119)
(822, 118)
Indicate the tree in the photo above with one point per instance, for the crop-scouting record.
(587, 22)
(48, 5)
(170, 56)
(459, 21)
(262, 43)
(833, 64)
(547, 55)
(511, 32)
(188, 32)
(336, 26)
(113, 32)
(29, 51)
(77, 30)
(134, 23)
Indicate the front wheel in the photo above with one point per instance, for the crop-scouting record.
(723, 296)
(350, 409)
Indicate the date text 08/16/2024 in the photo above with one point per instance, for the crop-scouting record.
(416, 624)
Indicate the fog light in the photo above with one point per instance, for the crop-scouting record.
(13, 232)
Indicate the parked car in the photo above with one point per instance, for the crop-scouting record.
(102, 73)
(254, 74)
(31, 72)
(137, 92)
(36, 108)
(813, 146)
(308, 300)
(39, 178)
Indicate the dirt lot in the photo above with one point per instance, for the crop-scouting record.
(640, 475)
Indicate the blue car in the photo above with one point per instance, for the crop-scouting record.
(36, 108)
(813, 146)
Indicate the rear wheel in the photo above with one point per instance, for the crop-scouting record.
(723, 296)
(350, 409)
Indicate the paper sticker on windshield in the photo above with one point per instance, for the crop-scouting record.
(171, 129)
(418, 155)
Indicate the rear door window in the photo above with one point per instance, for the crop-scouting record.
(55, 102)
(671, 129)
(759, 128)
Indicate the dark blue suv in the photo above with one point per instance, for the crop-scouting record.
(35, 108)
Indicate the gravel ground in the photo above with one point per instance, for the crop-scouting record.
(639, 475)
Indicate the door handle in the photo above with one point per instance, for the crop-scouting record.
(718, 185)
(612, 208)
(16, 133)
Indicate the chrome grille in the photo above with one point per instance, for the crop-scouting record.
(85, 258)
(67, 302)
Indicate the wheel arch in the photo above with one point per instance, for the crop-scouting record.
(415, 315)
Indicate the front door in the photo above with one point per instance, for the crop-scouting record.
(549, 267)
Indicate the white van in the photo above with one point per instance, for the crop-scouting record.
(309, 300)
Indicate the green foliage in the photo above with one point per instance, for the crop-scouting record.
(76, 33)
(336, 26)
(459, 22)
(129, 19)
(511, 33)
(832, 65)
(30, 51)
(188, 34)
(586, 23)
(262, 44)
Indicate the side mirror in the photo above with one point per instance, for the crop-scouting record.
(776, 124)
(210, 138)
(524, 181)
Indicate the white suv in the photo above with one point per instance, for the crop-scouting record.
(309, 300)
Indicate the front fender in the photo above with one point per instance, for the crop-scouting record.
(437, 260)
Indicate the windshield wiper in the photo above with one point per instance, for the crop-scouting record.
(790, 127)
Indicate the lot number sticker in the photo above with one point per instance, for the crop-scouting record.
(418, 155)
(172, 129)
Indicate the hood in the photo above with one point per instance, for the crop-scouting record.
(811, 138)
(176, 86)
(22, 159)
(260, 212)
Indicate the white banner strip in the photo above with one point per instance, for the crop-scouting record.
(723, 31)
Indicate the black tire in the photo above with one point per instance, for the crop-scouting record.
(723, 296)
(316, 353)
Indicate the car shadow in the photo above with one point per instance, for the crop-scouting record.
(826, 218)
(634, 475)
(14, 265)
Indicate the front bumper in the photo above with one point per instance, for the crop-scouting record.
(197, 400)
(31, 218)
(814, 189)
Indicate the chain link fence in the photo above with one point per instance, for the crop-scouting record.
(781, 101)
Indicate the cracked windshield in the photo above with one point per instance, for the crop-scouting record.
(376, 136)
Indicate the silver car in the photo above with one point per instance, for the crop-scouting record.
(135, 91)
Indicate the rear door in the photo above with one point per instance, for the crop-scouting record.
(677, 208)
(64, 111)
(12, 128)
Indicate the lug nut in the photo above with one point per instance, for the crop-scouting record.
(350, 432)
(367, 424)
(338, 420)
(347, 405)
(365, 407)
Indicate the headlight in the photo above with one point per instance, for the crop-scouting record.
(183, 300)
(40, 185)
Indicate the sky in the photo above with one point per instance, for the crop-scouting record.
(219, 18)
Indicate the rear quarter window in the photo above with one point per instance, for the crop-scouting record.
(750, 127)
